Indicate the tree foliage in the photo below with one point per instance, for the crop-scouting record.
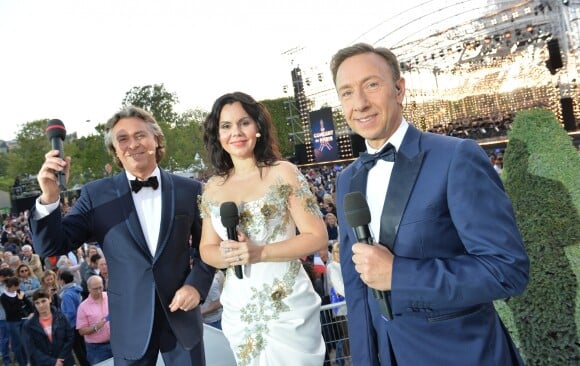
(32, 144)
(279, 112)
(155, 99)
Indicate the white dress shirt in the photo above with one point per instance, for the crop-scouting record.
(148, 205)
(379, 178)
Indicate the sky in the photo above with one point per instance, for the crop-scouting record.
(75, 59)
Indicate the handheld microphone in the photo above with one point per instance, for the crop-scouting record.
(358, 216)
(56, 134)
(230, 219)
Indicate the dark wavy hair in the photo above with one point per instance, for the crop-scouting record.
(266, 151)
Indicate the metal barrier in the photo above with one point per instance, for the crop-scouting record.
(335, 334)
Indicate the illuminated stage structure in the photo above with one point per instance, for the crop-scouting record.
(469, 67)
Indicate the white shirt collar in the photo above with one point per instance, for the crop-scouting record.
(396, 139)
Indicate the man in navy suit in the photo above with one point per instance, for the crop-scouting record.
(144, 219)
(446, 241)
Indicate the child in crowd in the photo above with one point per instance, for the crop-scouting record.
(47, 336)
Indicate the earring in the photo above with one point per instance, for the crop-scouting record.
(258, 135)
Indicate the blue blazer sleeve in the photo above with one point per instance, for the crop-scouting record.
(458, 244)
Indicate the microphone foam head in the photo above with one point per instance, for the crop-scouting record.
(229, 214)
(55, 128)
(356, 209)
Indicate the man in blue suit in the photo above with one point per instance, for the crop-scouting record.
(144, 219)
(446, 241)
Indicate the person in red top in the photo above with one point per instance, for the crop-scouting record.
(47, 336)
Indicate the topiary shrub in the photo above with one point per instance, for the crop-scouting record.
(542, 178)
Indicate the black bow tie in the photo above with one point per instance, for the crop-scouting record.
(388, 153)
(136, 185)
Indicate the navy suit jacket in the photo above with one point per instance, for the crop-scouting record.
(457, 248)
(105, 212)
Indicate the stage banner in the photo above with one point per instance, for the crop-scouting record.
(324, 143)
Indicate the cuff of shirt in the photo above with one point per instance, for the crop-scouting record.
(44, 210)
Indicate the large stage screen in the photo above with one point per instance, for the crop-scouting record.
(324, 143)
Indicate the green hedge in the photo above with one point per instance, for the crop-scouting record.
(542, 177)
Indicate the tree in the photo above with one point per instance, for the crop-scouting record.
(185, 140)
(89, 158)
(280, 114)
(27, 157)
(155, 99)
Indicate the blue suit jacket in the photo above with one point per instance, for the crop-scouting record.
(457, 248)
(105, 212)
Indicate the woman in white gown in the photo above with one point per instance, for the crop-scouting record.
(271, 315)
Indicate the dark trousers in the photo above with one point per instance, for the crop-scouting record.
(16, 342)
(80, 350)
(163, 340)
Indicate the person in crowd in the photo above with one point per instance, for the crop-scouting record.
(49, 283)
(17, 308)
(93, 322)
(47, 336)
(91, 270)
(32, 259)
(331, 228)
(14, 262)
(273, 200)
(4, 330)
(144, 219)
(446, 243)
(88, 251)
(28, 281)
(71, 298)
(336, 284)
(64, 263)
(212, 309)
(103, 271)
(12, 245)
(6, 259)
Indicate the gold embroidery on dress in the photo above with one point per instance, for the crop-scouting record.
(265, 305)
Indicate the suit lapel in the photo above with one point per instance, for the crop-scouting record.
(403, 177)
(358, 182)
(130, 212)
(167, 212)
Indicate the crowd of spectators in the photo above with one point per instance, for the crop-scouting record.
(40, 300)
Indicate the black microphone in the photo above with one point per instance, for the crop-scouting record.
(230, 219)
(358, 216)
(56, 134)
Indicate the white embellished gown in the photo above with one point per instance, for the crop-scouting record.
(272, 315)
